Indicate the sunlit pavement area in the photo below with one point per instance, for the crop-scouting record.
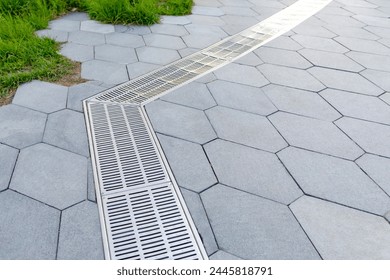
(283, 154)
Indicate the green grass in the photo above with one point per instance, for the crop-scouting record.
(25, 57)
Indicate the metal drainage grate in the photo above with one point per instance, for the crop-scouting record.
(152, 85)
(142, 212)
(149, 223)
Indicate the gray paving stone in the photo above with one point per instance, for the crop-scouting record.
(8, 158)
(334, 179)
(57, 35)
(208, 78)
(41, 96)
(387, 216)
(249, 59)
(366, 11)
(205, 30)
(91, 194)
(335, 11)
(194, 95)
(200, 41)
(140, 68)
(269, 3)
(238, 20)
(283, 57)
(77, 52)
(206, 20)
(245, 128)
(236, 3)
(120, 28)
(116, 54)
(345, 81)
(241, 74)
(386, 97)
(125, 40)
(80, 92)
(187, 51)
(251, 170)
(66, 129)
(379, 31)
(157, 55)
(86, 38)
(222, 255)
(169, 29)
(164, 41)
(378, 169)
(358, 106)
(200, 219)
(358, 3)
(239, 11)
(179, 121)
(80, 233)
(315, 135)
(285, 43)
(97, 27)
(371, 61)
(373, 21)
(352, 32)
(372, 137)
(181, 20)
(381, 79)
(362, 45)
(208, 3)
(318, 43)
(76, 16)
(340, 233)
(104, 71)
(21, 127)
(255, 228)
(189, 164)
(385, 42)
(340, 20)
(241, 97)
(233, 29)
(291, 77)
(331, 60)
(301, 102)
(207, 11)
(29, 229)
(51, 175)
(314, 30)
(64, 25)
(138, 30)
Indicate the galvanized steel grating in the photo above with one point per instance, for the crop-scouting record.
(149, 223)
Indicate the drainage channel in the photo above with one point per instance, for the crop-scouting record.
(143, 214)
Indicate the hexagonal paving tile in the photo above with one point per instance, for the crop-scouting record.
(77, 52)
(362, 45)
(245, 128)
(140, 68)
(64, 25)
(378, 169)
(51, 175)
(372, 137)
(91, 194)
(41, 96)
(345, 81)
(57, 35)
(66, 129)
(352, 32)
(86, 38)
(379, 31)
(241, 74)
(168, 29)
(194, 95)
(29, 229)
(116, 54)
(21, 127)
(180, 121)
(335, 180)
(222, 255)
(380, 78)
(255, 228)
(107, 72)
(76, 16)
(8, 158)
(285, 43)
(198, 214)
(200, 41)
(318, 43)
(125, 40)
(138, 30)
(252, 171)
(205, 30)
(207, 11)
(157, 55)
(291, 77)
(371, 61)
(249, 59)
(300, 102)
(313, 30)
(188, 163)
(95, 26)
(339, 232)
(80, 234)
(183, 20)
(164, 41)
(241, 97)
(282, 57)
(80, 92)
(358, 106)
(315, 135)
(206, 20)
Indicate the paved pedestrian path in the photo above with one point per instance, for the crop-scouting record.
(282, 154)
